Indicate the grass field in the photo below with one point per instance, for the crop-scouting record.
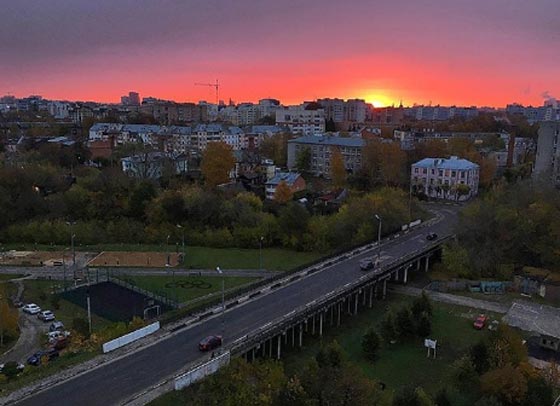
(401, 363)
(275, 259)
(135, 259)
(186, 288)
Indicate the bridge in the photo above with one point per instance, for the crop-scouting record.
(259, 324)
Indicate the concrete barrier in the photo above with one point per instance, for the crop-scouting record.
(130, 337)
(196, 374)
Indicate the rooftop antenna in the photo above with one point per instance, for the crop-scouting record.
(215, 86)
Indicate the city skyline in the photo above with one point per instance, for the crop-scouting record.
(467, 53)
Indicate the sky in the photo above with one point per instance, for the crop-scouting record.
(447, 52)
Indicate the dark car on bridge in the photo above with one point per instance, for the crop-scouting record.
(209, 343)
(431, 236)
(367, 263)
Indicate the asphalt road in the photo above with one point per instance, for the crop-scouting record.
(114, 382)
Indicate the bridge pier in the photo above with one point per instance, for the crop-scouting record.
(300, 336)
(375, 290)
(320, 324)
(313, 325)
(384, 288)
(405, 276)
(364, 297)
(339, 305)
(270, 348)
(427, 263)
(331, 311)
(418, 264)
(278, 345)
(356, 303)
(348, 299)
(293, 337)
(370, 296)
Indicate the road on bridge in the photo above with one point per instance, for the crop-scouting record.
(120, 379)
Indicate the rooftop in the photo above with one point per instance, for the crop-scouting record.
(330, 140)
(288, 177)
(445, 163)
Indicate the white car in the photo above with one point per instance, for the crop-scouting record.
(54, 336)
(46, 315)
(31, 308)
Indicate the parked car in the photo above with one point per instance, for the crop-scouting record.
(46, 315)
(56, 326)
(480, 321)
(39, 356)
(209, 343)
(57, 335)
(31, 308)
(60, 343)
(431, 236)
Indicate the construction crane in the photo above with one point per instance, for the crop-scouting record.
(214, 85)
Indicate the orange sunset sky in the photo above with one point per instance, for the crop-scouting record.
(474, 52)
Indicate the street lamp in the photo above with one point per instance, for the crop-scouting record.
(167, 246)
(223, 300)
(182, 238)
(378, 237)
(72, 236)
(260, 252)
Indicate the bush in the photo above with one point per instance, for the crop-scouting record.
(388, 327)
(371, 344)
(81, 326)
(423, 325)
(10, 370)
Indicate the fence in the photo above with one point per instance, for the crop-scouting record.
(130, 337)
(201, 371)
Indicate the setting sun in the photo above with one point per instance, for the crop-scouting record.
(379, 100)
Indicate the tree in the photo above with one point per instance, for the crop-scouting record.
(508, 384)
(464, 374)
(330, 356)
(8, 319)
(456, 260)
(409, 396)
(404, 323)
(303, 160)
(423, 325)
(283, 193)
(421, 305)
(506, 348)
(371, 344)
(480, 356)
(338, 170)
(217, 162)
(388, 327)
(81, 326)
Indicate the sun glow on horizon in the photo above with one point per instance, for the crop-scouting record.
(379, 100)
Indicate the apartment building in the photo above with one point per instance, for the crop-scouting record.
(301, 120)
(322, 147)
(547, 161)
(445, 178)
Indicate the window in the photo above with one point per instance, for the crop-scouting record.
(453, 174)
(415, 170)
(440, 172)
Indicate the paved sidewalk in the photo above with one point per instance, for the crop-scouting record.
(453, 299)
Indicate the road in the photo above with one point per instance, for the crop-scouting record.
(112, 383)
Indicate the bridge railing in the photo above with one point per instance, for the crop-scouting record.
(302, 312)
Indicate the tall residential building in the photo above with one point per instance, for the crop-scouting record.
(321, 149)
(133, 99)
(450, 179)
(547, 162)
(301, 120)
(334, 109)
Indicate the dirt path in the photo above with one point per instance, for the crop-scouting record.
(453, 299)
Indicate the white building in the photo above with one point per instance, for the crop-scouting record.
(302, 121)
(152, 165)
(206, 133)
(450, 179)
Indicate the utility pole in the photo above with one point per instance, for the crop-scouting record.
(223, 302)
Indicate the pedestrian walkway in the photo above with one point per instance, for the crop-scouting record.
(453, 299)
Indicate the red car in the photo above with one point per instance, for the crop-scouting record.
(480, 322)
(209, 343)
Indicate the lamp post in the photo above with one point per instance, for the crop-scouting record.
(260, 252)
(182, 238)
(72, 236)
(167, 246)
(223, 301)
(378, 237)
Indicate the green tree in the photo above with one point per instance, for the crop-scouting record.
(422, 304)
(371, 344)
(388, 327)
(8, 319)
(480, 356)
(283, 193)
(456, 260)
(10, 370)
(303, 160)
(423, 325)
(464, 374)
(404, 323)
(330, 356)
(81, 326)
